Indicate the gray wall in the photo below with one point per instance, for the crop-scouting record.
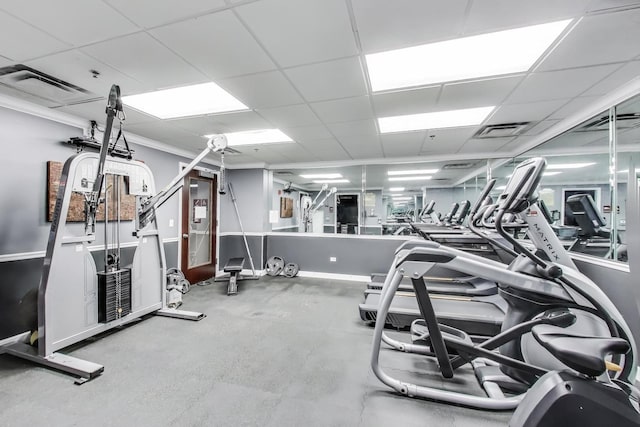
(232, 246)
(357, 256)
(251, 189)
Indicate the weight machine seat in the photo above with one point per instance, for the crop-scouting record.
(585, 354)
(234, 265)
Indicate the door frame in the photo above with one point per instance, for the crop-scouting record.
(335, 211)
(181, 165)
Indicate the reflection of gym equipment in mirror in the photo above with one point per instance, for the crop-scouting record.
(75, 301)
(348, 213)
(312, 217)
(567, 217)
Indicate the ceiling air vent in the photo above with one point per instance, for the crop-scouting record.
(501, 130)
(284, 173)
(37, 83)
(458, 165)
(623, 121)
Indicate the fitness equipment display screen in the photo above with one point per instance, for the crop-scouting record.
(523, 182)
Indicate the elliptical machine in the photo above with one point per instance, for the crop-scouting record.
(540, 293)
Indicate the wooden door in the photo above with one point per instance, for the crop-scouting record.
(198, 228)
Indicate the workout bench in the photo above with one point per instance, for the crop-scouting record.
(233, 267)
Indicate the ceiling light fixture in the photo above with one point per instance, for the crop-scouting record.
(484, 55)
(396, 189)
(413, 172)
(409, 178)
(552, 173)
(435, 120)
(321, 176)
(395, 199)
(330, 181)
(569, 165)
(194, 100)
(255, 137)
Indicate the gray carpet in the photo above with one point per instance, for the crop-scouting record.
(283, 352)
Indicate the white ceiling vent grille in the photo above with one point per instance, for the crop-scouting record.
(37, 83)
(623, 121)
(502, 130)
(458, 165)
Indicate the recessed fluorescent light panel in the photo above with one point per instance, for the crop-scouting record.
(551, 173)
(321, 176)
(413, 172)
(255, 137)
(396, 189)
(436, 120)
(409, 178)
(195, 100)
(484, 55)
(331, 181)
(569, 165)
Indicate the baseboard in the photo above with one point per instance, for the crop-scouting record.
(335, 276)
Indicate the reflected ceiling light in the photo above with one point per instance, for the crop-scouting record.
(569, 165)
(412, 172)
(551, 173)
(255, 137)
(395, 199)
(194, 100)
(321, 176)
(330, 181)
(409, 178)
(435, 120)
(396, 189)
(501, 187)
(491, 54)
(626, 171)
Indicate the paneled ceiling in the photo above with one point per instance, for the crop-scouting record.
(299, 66)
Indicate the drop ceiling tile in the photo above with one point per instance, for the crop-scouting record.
(526, 112)
(609, 4)
(319, 145)
(453, 137)
(385, 25)
(559, 84)
(74, 67)
(494, 15)
(480, 93)
(167, 133)
(355, 128)
(585, 45)
(573, 106)
(307, 133)
(492, 145)
(333, 79)
(78, 22)
(221, 123)
(160, 68)
(402, 144)
(290, 116)
(344, 110)
(149, 13)
(263, 90)
(32, 42)
(621, 76)
(329, 156)
(299, 32)
(406, 102)
(372, 152)
(5, 61)
(95, 110)
(360, 141)
(540, 127)
(217, 44)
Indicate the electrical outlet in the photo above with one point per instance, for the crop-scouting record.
(332, 259)
(171, 222)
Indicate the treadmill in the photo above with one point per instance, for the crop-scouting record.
(479, 315)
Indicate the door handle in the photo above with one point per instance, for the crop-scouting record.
(185, 236)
